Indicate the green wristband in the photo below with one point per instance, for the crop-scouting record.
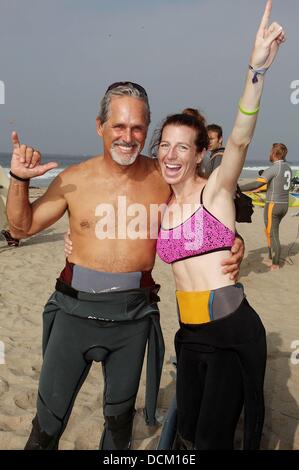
(248, 113)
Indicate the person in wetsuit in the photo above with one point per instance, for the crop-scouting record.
(212, 160)
(221, 342)
(278, 180)
(104, 305)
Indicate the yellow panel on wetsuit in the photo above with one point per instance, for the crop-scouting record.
(261, 180)
(269, 224)
(264, 187)
(194, 307)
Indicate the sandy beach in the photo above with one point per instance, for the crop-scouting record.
(28, 275)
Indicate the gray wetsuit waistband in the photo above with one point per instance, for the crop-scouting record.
(89, 280)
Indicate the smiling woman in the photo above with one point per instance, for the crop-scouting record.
(221, 343)
(181, 143)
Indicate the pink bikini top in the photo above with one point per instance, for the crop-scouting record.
(200, 234)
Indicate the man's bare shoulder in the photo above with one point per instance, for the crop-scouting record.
(78, 170)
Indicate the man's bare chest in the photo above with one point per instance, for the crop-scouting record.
(117, 210)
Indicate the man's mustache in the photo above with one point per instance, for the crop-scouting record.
(125, 144)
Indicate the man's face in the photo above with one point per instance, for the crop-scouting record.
(124, 132)
(214, 141)
(272, 156)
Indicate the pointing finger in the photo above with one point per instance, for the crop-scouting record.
(15, 140)
(265, 18)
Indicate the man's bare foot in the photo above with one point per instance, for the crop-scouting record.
(274, 267)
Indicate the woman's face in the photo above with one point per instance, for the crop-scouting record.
(177, 153)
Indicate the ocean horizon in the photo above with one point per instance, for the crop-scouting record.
(250, 169)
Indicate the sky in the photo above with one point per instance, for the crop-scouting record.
(57, 57)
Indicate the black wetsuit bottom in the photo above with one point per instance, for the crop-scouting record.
(73, 337)
(221, 366)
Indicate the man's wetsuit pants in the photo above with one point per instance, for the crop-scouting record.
(113, 330)
(273, 214)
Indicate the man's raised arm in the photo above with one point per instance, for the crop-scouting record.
(263, 179)
(26, 219)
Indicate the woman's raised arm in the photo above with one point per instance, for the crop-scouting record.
(267, 42)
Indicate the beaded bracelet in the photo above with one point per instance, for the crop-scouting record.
(257, 72)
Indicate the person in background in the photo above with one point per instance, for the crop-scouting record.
(278, 179)
(212, 160)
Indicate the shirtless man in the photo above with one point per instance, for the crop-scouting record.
(104, 306)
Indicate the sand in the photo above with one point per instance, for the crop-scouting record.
(27, 278)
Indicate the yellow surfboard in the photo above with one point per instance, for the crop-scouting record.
(259, 198)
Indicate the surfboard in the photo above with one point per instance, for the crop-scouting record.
(258, 198)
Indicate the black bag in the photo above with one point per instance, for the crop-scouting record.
(244, 206)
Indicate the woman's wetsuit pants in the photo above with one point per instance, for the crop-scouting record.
(221, 366)
(70, 345)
